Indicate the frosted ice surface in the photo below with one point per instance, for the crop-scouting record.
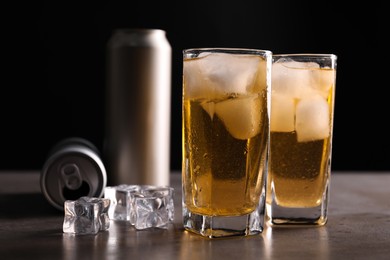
(150, 212)
(323, 80)
(165, 193)
(216, 74)
(144, 206)
(120, 200)
(301, 88)
(153, 207)
(282, 113)
(290, 81)
(86, 215)
(312, 119)
(241, 116)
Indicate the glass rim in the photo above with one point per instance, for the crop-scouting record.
(228, 50)
(307, 55)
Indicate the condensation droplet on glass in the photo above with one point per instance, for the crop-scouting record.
(197, 169)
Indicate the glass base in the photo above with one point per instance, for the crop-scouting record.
(296, 216)
(278, 216)
(214, 227)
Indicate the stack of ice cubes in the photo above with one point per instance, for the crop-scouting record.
(210, 79)
(300, 92)
(144, 206)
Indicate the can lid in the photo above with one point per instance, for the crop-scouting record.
(72, 171)
(136, 37)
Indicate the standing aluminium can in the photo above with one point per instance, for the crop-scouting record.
(137, 124)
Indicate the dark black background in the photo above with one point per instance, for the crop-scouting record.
(54, 60)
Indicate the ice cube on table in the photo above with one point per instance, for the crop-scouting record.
(137, 201)
(120, 201)
(312, 119)
(86, 215)
(166, 193)
(241, 116)
(282, 113)
(216, 74)
(151, 211)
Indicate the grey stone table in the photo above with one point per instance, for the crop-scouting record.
(358, 228)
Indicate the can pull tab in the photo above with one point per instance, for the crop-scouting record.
(71, 176)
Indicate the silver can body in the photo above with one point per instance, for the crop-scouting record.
(137, 131)
(72, 169)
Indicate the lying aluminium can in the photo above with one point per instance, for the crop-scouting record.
(73, 169)
(137, 126)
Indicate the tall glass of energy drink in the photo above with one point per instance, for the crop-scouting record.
(225, 124)
(302, 109)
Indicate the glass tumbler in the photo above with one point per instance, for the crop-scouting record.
(225, 124)
(302, 109)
